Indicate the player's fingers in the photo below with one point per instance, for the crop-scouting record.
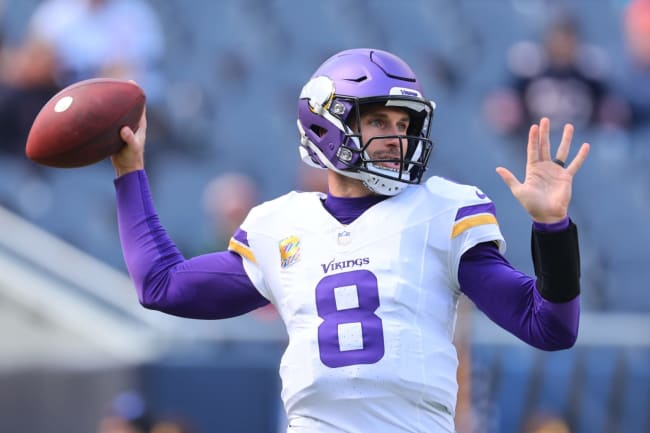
(565, 144)
(127, 135)
(508, 177)
(579, 159)
(533, 143)
(545, 139)
(142, 123)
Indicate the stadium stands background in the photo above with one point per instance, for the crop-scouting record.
(232, 71)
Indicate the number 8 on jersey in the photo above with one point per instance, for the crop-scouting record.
(351, 332)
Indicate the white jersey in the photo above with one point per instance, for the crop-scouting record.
(369, 307)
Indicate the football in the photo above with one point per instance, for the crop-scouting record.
(81, 124)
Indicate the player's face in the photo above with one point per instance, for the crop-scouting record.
(377, 121)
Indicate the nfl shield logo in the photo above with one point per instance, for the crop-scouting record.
(343, 238)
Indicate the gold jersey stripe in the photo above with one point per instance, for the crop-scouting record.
(242, 250)
(473, 221)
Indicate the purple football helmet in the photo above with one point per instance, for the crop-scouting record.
(335, 93)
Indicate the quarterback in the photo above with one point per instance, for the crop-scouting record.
(367, 277)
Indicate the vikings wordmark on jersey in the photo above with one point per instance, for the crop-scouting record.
(372, 317)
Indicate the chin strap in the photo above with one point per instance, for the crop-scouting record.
(556, 258)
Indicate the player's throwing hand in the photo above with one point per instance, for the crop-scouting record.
(131, 157)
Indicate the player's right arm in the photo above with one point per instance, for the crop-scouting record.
(211, 286)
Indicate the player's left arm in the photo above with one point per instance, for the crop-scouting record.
(543, 313)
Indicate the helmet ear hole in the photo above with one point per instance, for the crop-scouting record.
(318, 130)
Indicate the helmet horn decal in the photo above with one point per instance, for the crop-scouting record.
(319, 93)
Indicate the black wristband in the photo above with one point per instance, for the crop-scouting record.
(556, 258)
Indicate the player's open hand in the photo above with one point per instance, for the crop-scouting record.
(131, 157)
(546, 190)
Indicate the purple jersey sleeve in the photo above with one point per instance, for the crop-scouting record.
(211, 286)
(510, 298)
(551, 227)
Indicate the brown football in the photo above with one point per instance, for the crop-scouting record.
(81, 124)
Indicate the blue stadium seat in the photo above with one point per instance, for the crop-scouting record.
(512, 388)
(636, 400)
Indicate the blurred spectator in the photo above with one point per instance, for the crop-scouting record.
(127, 414)
(110, 38)
(171, 427)
(26, 84)
(545, 423)
(561, 78)
(633, 78)
(71, 40)
(226, 201)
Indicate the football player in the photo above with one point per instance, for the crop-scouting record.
(367, 277)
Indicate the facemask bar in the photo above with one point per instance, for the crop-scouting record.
(414, 150)
(409, 169)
